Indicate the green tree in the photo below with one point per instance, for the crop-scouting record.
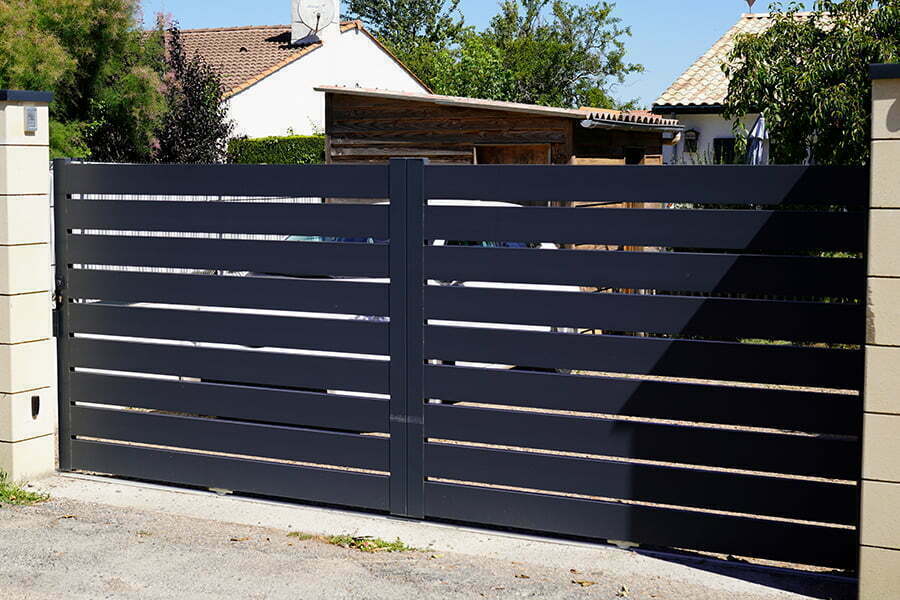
(474, 68)
(550, 52)
(559, 53)
(809, 76)
(104, 71)
(419, 32)
(29, 59)
(195, 127)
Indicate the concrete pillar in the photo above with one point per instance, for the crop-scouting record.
(27, 401)
(880, 553)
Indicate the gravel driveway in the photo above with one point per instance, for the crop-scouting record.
(73, 550)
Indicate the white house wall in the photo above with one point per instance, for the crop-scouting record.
(710, 128)
(287, 101)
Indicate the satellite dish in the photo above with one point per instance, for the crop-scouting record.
(750, 3)
(316, 14)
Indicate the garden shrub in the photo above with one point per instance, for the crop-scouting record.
(286, 150)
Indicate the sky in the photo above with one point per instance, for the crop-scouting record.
(667, 35)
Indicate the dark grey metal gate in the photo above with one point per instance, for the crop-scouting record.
(709, 399)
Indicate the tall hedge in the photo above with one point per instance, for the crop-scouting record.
(287, 150)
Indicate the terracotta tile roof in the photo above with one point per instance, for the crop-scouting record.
(612, 117)
(704, 83)
(246, 55)
(638, 117)
(348, 25)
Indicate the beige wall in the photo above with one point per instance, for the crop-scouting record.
(880, 555)
(27, 398)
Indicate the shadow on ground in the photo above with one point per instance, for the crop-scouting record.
(826, 586)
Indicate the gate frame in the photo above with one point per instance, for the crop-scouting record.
(403, 181)
(407, 337)
(61, 312)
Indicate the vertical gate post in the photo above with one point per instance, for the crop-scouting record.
(407, 330)
(60, 196)
(880, 525)
(27, 407)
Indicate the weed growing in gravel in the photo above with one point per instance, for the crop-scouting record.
(368, 544)
(11, 493)
(363, 544)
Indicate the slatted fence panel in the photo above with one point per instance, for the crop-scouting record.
(201, 347)
(700, 390)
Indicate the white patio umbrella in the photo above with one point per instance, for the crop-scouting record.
(757, 146)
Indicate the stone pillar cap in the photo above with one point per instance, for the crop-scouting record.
(25, 96)
(885, 71)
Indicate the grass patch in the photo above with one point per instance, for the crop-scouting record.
(368, 544)
(11, 493)
(766, 342)
(361, 543)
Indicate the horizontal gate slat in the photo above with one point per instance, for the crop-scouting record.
(725, 448)
(731, 229)
(729, 492)
(346, 220)
(233, 366)
(712, 317)
(364, 337)
(704, 403)
(273, 293)
(240, 475)
(723, 361)
(287, 258)
(286, 407)
(662, 271)
(742, 536)
(292, 181)
(676, 184)
(266, 441)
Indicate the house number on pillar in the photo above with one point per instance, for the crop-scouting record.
(31, 119)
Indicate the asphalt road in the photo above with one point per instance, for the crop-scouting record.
(76, 550)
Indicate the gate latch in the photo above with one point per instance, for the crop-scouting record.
(58, 292)
(58, 301)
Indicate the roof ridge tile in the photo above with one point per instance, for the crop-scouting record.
(239, 28)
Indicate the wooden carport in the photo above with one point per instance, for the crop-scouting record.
(365, 125)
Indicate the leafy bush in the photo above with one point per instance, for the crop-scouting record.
(104, 69)
(67, 140)
(809, 75)
(196, 124)
(287, 150)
